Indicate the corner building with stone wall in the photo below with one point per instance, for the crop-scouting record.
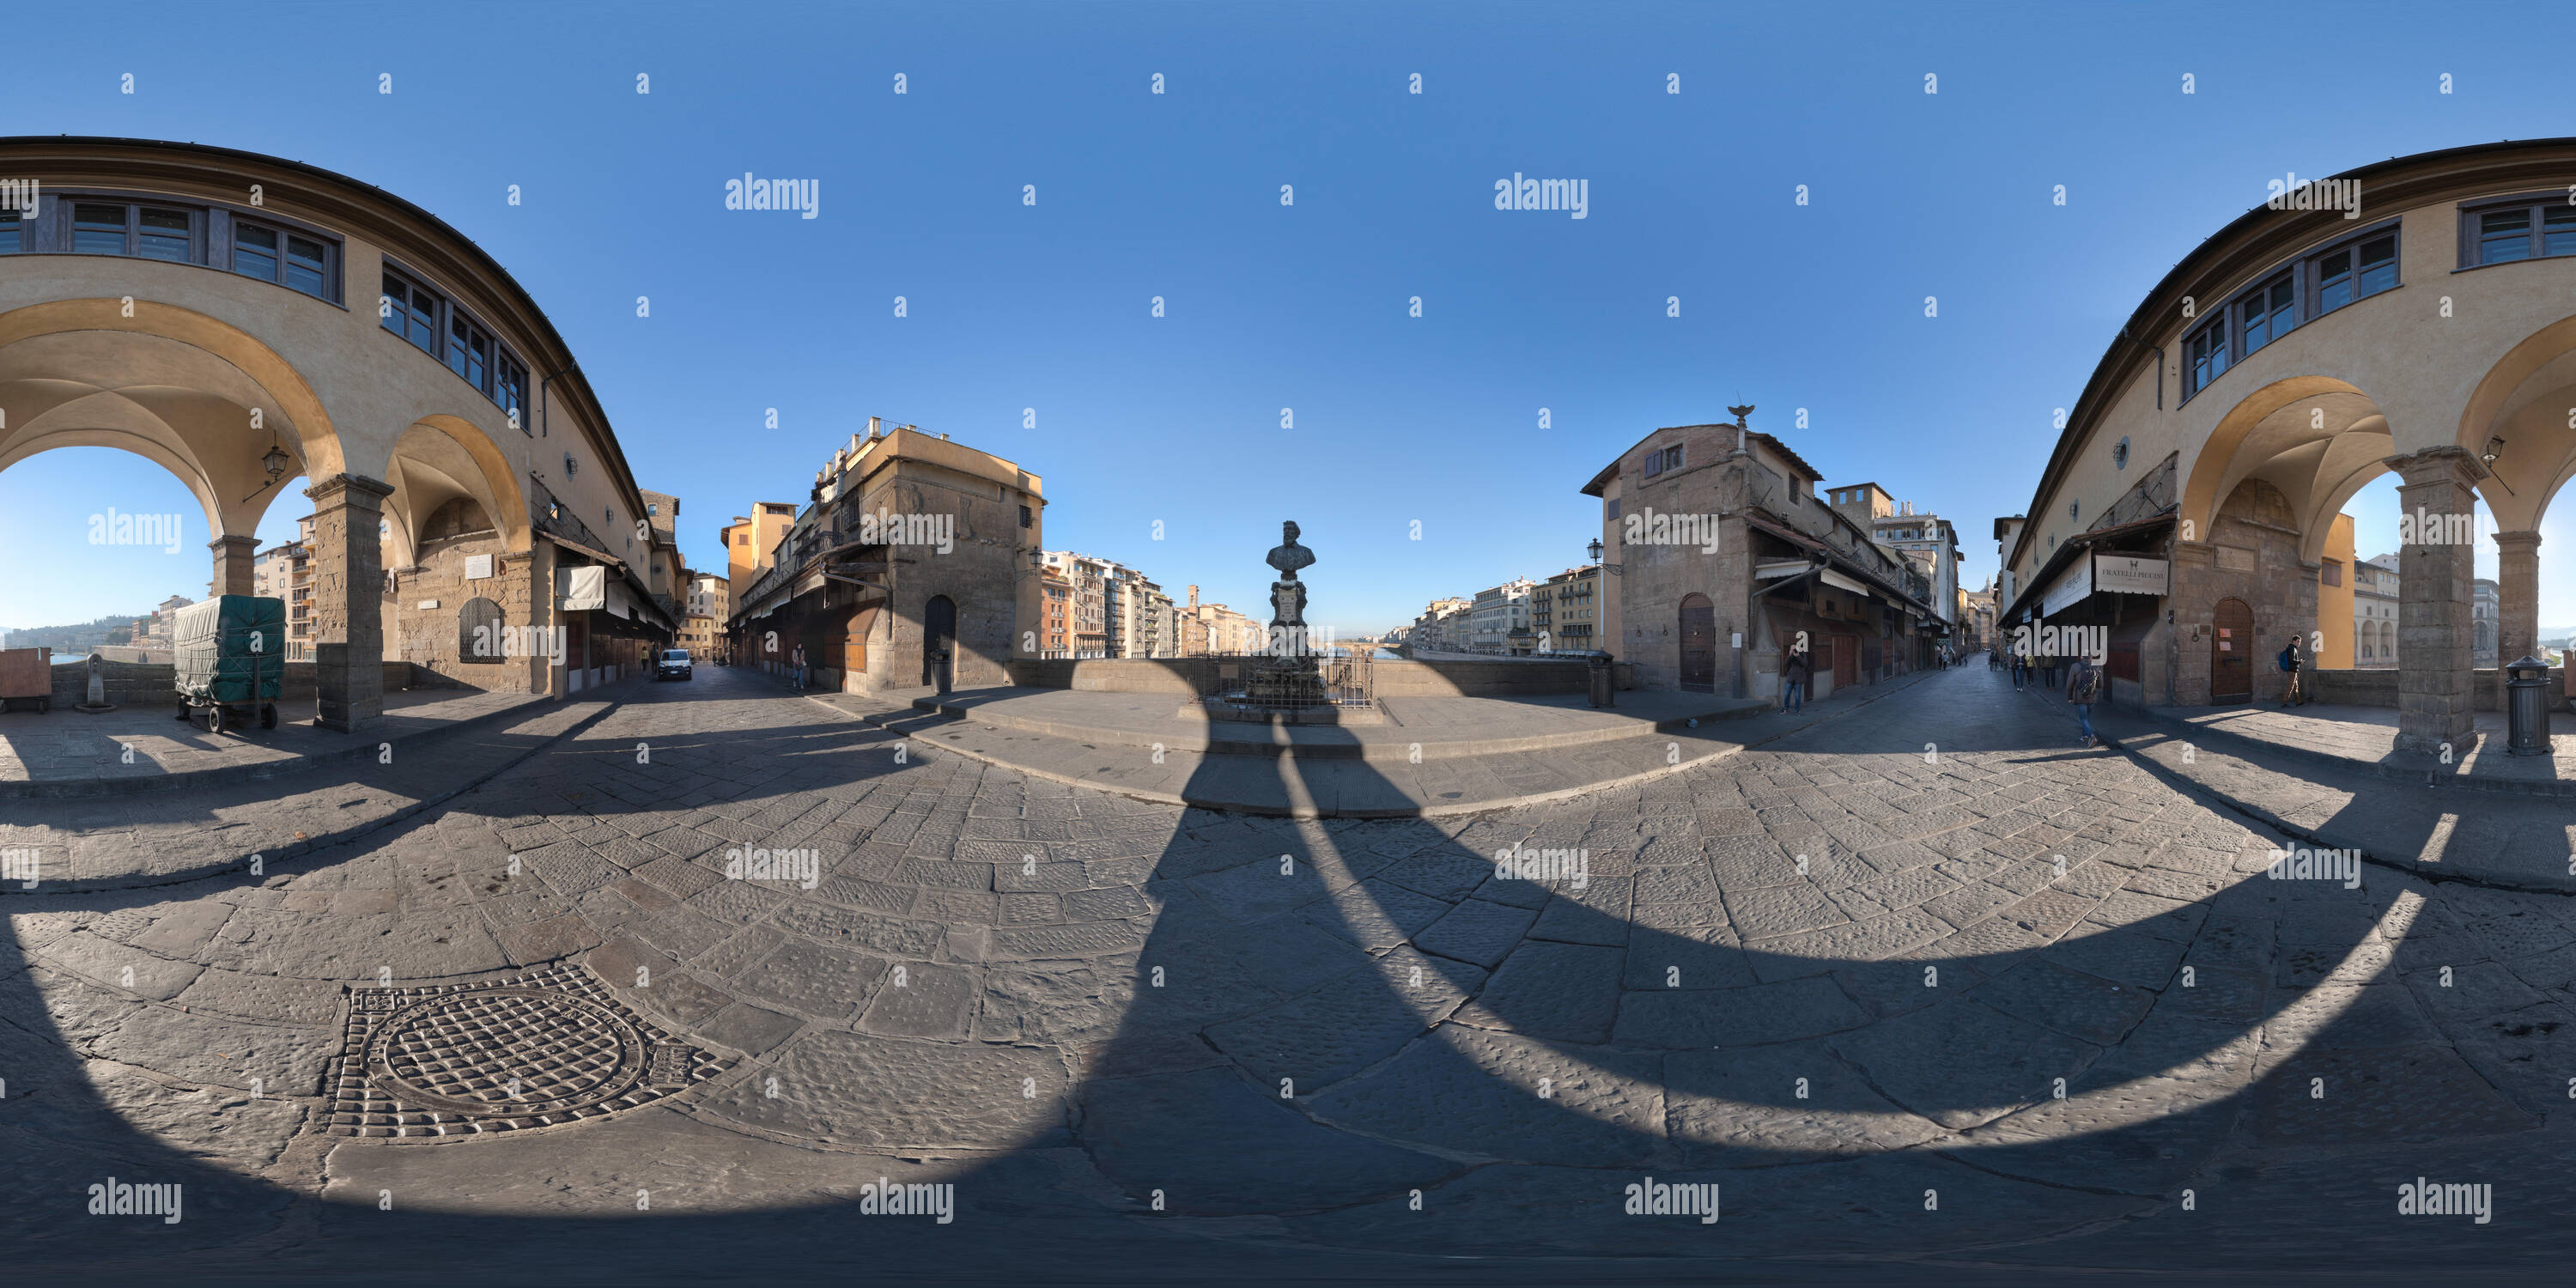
(1788, 572)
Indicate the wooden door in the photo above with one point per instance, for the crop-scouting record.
(1699, 644)
(939, 642)
(1846, 661)
(2231, 653)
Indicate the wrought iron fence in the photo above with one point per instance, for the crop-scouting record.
(1349, 679)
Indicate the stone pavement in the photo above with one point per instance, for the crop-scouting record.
(2349, 737)
(140, 748)
(2443, 830)
(205, 828)
(1433, 757)
(1929, 994)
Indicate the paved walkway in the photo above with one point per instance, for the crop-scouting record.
(146, 748)
(1844, 978)
(1434, 757)
(1434, 728)
(208, 825)
(2367, 736)
(2442, 829)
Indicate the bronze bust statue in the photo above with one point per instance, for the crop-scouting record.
(1288, 556)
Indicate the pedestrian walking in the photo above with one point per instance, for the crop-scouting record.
(2294, 693)
(1793, 683)
(2020, 670)
(2083, 687)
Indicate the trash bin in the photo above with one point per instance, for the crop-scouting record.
(1600, 675)
(2527, 708)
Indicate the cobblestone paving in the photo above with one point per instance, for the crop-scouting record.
(1929, 984)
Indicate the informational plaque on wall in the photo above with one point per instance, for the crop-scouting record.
(477, 567)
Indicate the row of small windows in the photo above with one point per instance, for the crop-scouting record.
(443, 331)
(2526, 231)
(1662, 459)
(2364, 265)
(216, 237)
(212, 237)
(2309, 288)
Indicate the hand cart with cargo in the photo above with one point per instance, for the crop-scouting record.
(229, 655)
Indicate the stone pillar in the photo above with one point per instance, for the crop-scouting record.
(348, 609)
(233, 564)
(2518, 603)
(2436, 630)
(2188, 598)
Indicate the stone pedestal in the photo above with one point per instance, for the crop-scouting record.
(2518, 603)
(348, 608)
(233, 557)
(2436, 627)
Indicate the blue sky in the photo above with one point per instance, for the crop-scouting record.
(1396, 418)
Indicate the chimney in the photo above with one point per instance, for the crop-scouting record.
(876, 426)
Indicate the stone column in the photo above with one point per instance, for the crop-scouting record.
(348, 610)
(2436, 630)
(2517, 603)
(233, 564)
(2188, 598)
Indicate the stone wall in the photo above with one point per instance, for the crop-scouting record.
(2377, 687)
(2252, 555)
(435, 639)
(155, 684)
(1189, 675)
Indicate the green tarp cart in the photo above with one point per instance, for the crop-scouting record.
(229, 653)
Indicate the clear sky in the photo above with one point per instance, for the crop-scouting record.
(1176, 420)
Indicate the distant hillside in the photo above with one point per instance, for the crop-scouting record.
(65, 639)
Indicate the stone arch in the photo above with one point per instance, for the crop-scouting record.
(308, 432)
(189, 411)
(2315, 439)
(2524, 399)
(441, 458)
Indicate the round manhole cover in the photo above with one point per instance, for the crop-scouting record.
(505, 1052)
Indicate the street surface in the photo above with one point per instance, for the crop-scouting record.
(1926, 983)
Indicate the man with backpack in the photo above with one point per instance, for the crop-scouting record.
(2295, 692)
(2083, 688)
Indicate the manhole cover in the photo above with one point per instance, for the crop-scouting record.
(535, 1051)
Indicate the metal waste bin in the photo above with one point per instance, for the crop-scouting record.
(1600, 675)
(2527, 708)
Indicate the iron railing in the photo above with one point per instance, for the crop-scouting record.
(1348, 679)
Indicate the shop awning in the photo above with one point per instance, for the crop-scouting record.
(581, 589)
(1841, 582)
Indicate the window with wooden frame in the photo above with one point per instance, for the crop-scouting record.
(445, 332)
(290, 259)
(2333, 275)
(2515, 228)
(145, 230)
(410, 310)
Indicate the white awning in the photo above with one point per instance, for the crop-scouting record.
(1781, 568)
(582, 589)
(620, 603)
(1832, 578)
